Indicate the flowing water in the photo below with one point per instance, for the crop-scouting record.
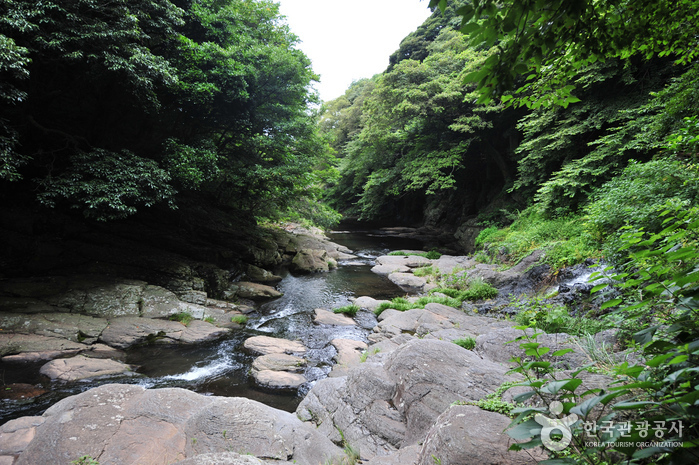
(221, 368)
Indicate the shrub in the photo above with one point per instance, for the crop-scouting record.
(350, 310)
(475, 289)
(638, 196)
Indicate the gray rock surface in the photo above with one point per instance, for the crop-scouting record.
(128, 331)
(76, 368)
(389, 404)
(278, 362)
(325, 317)
(129, 425)
(32, 347)
(368, 303)
(410, 261)
(408, 281)
(283, 380)
(263, 345)
(465, 434)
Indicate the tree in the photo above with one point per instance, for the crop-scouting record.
(111, 106)
(553, 39)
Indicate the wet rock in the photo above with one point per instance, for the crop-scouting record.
(467, 434)
(123, 424)
(324, 317)
(73, 369)
(20, 391)
(260, 275)
(198, 331)
(311, 261)
(254, 291)
(264, 345)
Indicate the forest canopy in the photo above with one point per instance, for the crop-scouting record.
(108, 107)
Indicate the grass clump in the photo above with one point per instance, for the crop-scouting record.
(468, 343)
(426, 271)
(473, 289)
(239, 319)
(401, 304)
(350, 310)
(183, 317)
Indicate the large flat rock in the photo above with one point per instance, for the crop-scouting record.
(73, 369)
(130, 425)
(263, 345)
(324, 317)
(128, 331)
(33, 347)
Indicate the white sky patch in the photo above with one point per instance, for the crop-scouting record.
(348, 40)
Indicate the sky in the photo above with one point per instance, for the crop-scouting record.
(348, 40)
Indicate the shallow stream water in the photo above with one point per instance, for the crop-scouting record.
(221, 368)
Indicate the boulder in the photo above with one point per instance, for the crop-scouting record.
(348, 351)
(386, 405)
(467, 434)
(311, 261)
(130, 425)
(73, 369)
(368, 303)
(430, 375)
(264, 345)
(254, 291)
(408, 281)
(494, 346)
(260, 275)
(324, 317)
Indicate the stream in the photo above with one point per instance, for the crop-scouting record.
(221, 368)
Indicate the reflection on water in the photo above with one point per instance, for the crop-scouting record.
(221, 368)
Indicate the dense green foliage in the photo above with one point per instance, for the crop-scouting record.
(550, 41)
(113, 106)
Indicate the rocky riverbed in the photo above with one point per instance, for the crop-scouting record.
(390, 398)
